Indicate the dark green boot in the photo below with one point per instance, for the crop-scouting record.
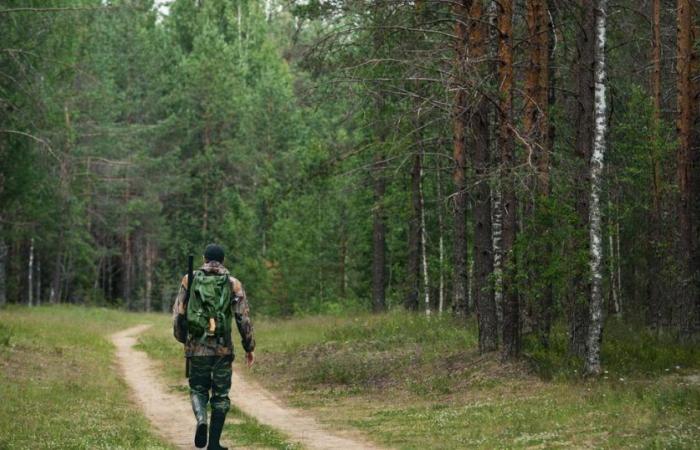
(200, 413)
(216, 426)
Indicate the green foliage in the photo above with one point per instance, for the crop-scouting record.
(629, 350)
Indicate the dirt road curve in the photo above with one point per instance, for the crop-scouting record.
(171, 414)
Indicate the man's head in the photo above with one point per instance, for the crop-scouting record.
(214, 252)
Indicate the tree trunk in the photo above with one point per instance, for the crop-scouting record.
(511, 306)
(37, 283)
(655, 257)
(424, 240)
(342, 262)
(150, 258)
(379, 236)
(441, 245)
(538, 98)
(459, 127)
(479, 141)
(414, 238)
(688, 142)
(585, 47)
(30, 274)
(595, 328)
(55, 293)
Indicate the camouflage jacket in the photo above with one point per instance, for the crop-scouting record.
(239, 304)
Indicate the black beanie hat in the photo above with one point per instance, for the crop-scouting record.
(214, 252)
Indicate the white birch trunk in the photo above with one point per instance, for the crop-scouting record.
(497, 233)
(30, 273)
(441, 249)
(496, 213)
(424, 242)
(592, 364)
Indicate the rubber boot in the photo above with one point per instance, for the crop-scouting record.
(200, 413)
(216, 426)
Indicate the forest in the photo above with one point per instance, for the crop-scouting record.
(525, 164)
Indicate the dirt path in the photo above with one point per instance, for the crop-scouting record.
(171, 414)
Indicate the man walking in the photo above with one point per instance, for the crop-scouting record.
(203, 324)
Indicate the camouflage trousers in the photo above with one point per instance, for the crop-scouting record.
(211, 373)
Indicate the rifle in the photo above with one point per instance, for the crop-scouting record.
(190, 276)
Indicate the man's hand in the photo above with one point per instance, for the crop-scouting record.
(250, 359)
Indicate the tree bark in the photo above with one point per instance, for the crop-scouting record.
(30, 274)
(655, 243)
(538, 98)
(687, 65)
(414, 238)
(595, 328)
(379, 236)
(459, 127)
(55, 293)
(585, 47)
(37, 283)
(423, 239)
(483, 291)
(511, 306)
(150, 259)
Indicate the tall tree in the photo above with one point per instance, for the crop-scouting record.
(655, 282)
(578, 311)
(689, 142)
(511, 305)
(484, 300)
(459, 129)
(592, 365)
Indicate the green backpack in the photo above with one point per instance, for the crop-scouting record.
(210, 298)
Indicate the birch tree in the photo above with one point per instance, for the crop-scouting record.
(592, 364)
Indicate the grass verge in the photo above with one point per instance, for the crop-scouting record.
(412, 382)
(59, 386)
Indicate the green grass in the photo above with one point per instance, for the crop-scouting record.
(404, 380)
(59, 387)
(414, 382)
(159, 344)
